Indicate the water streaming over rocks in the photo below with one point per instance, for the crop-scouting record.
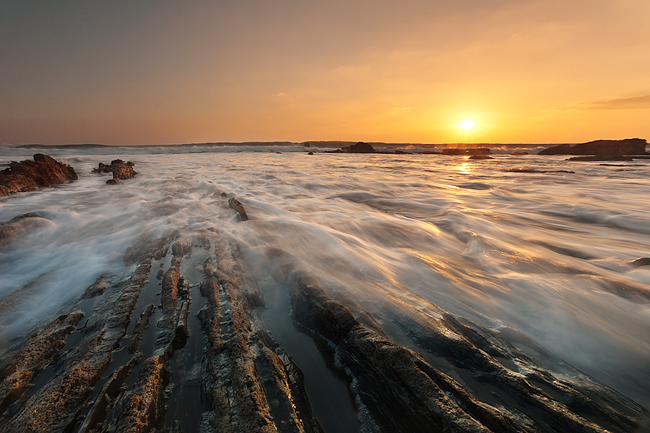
(236, 289)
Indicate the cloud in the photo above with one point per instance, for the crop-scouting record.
(616, 103)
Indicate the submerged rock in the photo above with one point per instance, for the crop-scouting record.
(630, 146)
(28, 175)
(134, 367)
(404, 393)
(20, 225)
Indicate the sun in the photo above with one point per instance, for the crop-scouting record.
(467, 124)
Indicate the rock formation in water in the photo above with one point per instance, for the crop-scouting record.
(630, 146)
(19, 226)
(189, 352)
(121, 170)
(470, 151)
(29, 175)
(359, 147)
(236, 205)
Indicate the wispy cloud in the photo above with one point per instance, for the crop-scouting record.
(616, 103)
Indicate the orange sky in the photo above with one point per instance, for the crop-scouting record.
(164, 71)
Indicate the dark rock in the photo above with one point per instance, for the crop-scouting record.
(519, 153)
(238, 207)
(480, 157)
(310, 153)
(534, 170)
(28, 175)
(404, 393)
(360, 147)
(119, 168)
(470, 151)
(642, 261)
(630, 146)
(98, 287)
(601, 158)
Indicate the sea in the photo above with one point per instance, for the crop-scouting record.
(527, 245)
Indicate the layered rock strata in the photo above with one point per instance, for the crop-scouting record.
(189, 353)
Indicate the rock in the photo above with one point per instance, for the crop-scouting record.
(310, 153)
(360, 147)
(20, 225)
(404, 393)
(121, 170)
(28, 175)
(480, 157)
(519, 153)
(630, 146)
(238, 207)
(642, 261)
(470, 151)
(601, 158)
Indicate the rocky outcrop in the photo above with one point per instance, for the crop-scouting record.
(470, 151)
(28, 175)
(121, 170)
(630, 146)
(236, 205)
(404, 393)
(190, 352)
(359, 147)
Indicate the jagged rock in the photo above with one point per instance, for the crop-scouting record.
(29, 175)
(360, 147)
(404, 393)
(238, 207)
(144, 408)
(121, 170)
(630, 146)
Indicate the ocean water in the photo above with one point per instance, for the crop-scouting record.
(531, 244)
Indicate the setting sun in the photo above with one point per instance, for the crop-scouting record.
(467, 124)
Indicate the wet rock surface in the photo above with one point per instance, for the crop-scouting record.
(121, 170)
(238, 207)
(188, 352)
(13, 229)
(43, 171)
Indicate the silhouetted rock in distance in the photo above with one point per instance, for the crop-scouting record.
(629, 146)
(360, 147)
(31, 175)
(471, 151)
